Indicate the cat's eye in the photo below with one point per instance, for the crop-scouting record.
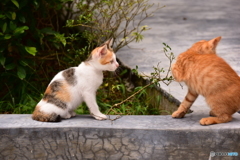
(111, 61)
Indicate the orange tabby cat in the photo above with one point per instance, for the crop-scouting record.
(209, 75)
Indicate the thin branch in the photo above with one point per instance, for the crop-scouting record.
(127, 99)
(114, 119)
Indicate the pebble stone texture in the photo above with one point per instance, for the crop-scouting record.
(130, 137)
(179, 24)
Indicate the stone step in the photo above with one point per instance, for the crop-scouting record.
(129, 137)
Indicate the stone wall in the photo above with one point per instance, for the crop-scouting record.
(130, 137)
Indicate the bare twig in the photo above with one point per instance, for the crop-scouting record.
(127, 99)
(117, 19)
(154, 78)
(114, 119)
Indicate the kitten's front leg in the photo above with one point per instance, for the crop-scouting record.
(67, 115)
(185, 105)
(90, 100)
(73, 113)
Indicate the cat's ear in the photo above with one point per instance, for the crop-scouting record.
(214, 42)
(102, 50)
(109, 43)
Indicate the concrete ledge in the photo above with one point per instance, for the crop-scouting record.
(130, 137)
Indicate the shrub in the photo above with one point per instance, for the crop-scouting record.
(119, 19)
(36, 41)
(31, 50)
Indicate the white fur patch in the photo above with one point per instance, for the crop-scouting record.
(89, 77)
(49, 108)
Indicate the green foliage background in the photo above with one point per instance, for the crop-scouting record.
(39, 38)
(34, 46)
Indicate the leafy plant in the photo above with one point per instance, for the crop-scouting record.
(118, 19)
(36, 43)
(29, 40)
(114, 98)
(139, 101)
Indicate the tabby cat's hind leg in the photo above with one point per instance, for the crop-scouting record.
(222, 113)
(211, 113)
(215, 120)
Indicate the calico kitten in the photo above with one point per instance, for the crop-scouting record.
(209, 75)
(69, 88)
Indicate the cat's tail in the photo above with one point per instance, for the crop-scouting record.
(44, 117)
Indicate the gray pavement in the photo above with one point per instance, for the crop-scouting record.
(130, 137)
(138, 122)
(180, 24)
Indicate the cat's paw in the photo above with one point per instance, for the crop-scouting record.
(100, 116)
(67, 116)
(178, 114)
(73, 114)
(207, 121)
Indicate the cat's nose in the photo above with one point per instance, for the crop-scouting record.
(117, 65)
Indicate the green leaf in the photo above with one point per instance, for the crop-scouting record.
(36, 3)
(70, 23)
(138, 37)
(12, 25)
(13, 15)
(61, 38)
(31, 50)
(23, 63)
(21, 18)
(7, 36)
(10, 66)
(2, 60)
(4, 27)
(2, 16)
(21, 72)
(9, 14)
(20, 30)
(16, 3)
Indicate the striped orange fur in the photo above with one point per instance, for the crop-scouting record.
(207, 74)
